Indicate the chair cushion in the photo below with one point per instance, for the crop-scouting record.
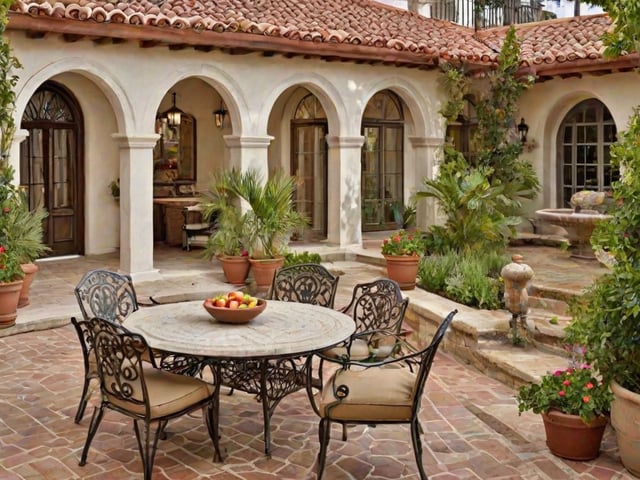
(169, 393)
(375, 394)
(359, 350)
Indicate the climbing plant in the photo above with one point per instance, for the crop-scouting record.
(481, 196)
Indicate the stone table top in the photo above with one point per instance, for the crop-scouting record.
(284, 328)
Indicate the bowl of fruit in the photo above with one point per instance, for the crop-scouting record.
(234, 307)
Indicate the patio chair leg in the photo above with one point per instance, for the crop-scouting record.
(84, 399)
(96, 418)
(324, 432)
(148, 446)
(417, 447)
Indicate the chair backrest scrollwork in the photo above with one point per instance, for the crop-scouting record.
(305, 283)
(106, 294)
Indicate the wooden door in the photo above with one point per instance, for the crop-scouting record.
(51, 166)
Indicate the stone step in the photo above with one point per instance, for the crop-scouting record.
(514, 365)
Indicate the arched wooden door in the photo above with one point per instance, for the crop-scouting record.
(51, 166)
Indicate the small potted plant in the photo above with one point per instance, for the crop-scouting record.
(402, 252)
(574, 405)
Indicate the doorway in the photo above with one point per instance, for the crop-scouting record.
(382, 163)
(309, 164)
(51, 166)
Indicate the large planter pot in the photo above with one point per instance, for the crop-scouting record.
(569, 437)
(235, 268)
(403, 269)
(264, 270)
(29, 270)
(9, 295)
(625, 419)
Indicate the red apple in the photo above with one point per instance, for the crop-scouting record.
(233, 305)
(220, 302)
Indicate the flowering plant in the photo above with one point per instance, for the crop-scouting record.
(574, 391)
(403, 243)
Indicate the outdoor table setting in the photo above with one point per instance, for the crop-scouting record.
(264, 356)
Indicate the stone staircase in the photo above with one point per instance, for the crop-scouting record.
(483, 338)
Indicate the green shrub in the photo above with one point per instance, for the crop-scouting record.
(472, 280)
(298, 258)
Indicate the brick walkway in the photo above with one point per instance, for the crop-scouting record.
(471, 423)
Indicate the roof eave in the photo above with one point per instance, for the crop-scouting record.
(229, 41)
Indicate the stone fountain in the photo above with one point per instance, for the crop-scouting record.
(579, 221)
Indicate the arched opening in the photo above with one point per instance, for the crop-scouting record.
(309, 163)
(584, 157)
(382, 161)
(52, 166)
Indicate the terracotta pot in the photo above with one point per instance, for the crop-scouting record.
(569, 437)
(403, 269)
(29, 270)
(264, 270)
(235, 268)
(625, 419)
(9, 295)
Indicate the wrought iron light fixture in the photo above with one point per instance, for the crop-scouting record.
(219, 116)
(174, 114)
(523, 129)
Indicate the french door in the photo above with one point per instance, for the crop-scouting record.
(51, 166)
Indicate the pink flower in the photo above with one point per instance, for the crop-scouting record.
(557, 373)
(589, 386)
(561, 393)
(566, 383)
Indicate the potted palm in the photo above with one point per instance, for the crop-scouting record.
(227, 242)
(606, 318)
(270, 220)
(574, 406)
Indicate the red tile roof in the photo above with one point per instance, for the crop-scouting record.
(350, 29)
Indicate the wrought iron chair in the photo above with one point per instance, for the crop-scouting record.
(104, 294)
(145, 394)
(375, 306)
(305, 283)
(376, 393)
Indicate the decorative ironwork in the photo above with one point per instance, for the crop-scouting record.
(377, 305)
(47, 105)
(305, 283)
(105, 294)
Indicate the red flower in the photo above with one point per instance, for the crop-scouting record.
(589, 386)
(566, 383)
(561, 393)
(7, 209)
(396, 239)
(586, 399)
(2, 249)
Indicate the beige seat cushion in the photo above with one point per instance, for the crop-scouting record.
(375, 394)
(359, 351)
(169, 393)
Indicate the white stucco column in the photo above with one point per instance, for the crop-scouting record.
(344, 215)
(136, 205)
(247, 153)
(426, 151)
(14, 153)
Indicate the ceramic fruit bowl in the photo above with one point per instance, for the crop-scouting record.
(234, 315)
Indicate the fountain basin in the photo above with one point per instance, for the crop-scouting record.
(579, 227)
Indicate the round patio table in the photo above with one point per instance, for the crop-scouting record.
(265, 356)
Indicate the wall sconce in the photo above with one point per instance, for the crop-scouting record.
(219, 116)
(523, 129)
(174, 114)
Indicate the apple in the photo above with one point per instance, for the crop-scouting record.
(220, 302)
(233, 304)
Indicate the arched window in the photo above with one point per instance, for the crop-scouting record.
(382, 187)
(584, 157)
(460, 133)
